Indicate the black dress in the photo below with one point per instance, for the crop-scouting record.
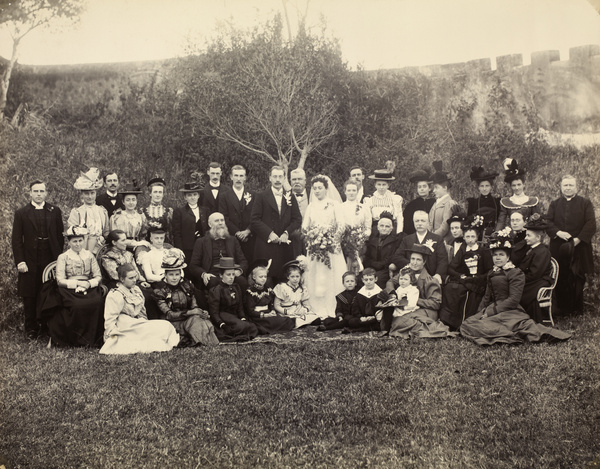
(488, 207)
(258, 301)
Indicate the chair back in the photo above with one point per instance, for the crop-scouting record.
(554, 273)
(49, 272)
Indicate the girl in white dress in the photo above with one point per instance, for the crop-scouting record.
(292, 298)
(322, 227)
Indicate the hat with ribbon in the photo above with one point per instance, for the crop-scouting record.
(89, 181)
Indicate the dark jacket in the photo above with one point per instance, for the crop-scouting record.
(457, 267)
(436, 263)
(265, 218)
(225, 298)
(537, 268)
(237, 213)
(202, 260)
(343, 304)
(104, 200)
(503, 292)
(186, 230)
(209, 201)
(409, 211)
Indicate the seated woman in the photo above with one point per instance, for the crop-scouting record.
(381, 247)
(78, 320)
(157, 215)
(258, 301)
(292, 298)
(536, 266)
(152, 260)
(515, 176)
(117, 256)
(89, 215)
(485, 205)
(129, 220)
(517, 234)
(177, 303)
(126, 328)
(226, 307)
(501, 319)
(467, 276)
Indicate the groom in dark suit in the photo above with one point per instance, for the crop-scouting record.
(274, 216)
(37, 240)
(214, 189)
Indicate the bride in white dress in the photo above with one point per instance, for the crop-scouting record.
(322, 228)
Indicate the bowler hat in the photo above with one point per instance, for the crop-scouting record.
(226, 263)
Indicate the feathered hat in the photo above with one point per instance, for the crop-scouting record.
(512, 170)
(479, 174)
(89, 181)
(439, 176)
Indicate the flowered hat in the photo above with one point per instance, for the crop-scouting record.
(173, 259)
(536, 223)
(75, 232)
(420, 175)
(131, 188)
(439, 176)
(473, 222)
(512, 170)
(479, 174)
(501, 240)
(382, 175)
(226, 263)
(191, 187)
(420, 249)
(90, 181)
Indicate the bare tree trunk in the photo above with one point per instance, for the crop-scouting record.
(5, 79)
(303, 156)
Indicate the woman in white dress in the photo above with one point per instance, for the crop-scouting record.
(126, 326)
(357, 229)
(322, 228)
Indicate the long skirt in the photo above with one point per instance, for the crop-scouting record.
(274, 324)
(419, 324)
(137, 335)
(324, 283)
(196, 331)
(459, 302)
(529, 299)
(235, 330)
(508, 327)
(80, 320)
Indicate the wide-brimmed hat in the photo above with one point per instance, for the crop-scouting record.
(75, 232)
(192, 187)
(536, 223)
(226, 263)
(156, 180)
(266, 263)
(512, 170)
(479, 174)
(130, 188)
(382, 175)
(439, 176)
(420, 175)
(420, 249)
(173, 259)
(501, 240)
(89, 181)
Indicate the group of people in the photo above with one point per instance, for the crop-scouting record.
(230, 263)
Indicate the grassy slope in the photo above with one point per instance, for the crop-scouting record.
(445, 403)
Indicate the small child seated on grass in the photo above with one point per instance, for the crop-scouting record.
(343, 307)
(292, 298)
(407, 295)
(364, 306)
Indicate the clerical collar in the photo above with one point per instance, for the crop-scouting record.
(38, 206)
(569, 198)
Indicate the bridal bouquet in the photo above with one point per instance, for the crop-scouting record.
(320, 242)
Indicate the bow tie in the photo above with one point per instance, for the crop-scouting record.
(459, 240)
(112, 198)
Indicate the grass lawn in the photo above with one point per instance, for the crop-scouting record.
(350, 403)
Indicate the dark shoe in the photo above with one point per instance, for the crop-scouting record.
(321, 328)
(316, 322)
(346, 330)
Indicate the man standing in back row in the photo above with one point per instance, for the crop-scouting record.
(572, 224)
(37, 240)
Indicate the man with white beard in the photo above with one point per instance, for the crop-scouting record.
(209, 249)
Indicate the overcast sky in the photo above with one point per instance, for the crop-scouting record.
(374, 33)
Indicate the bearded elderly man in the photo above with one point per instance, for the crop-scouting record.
(209, 249)
(572, 224)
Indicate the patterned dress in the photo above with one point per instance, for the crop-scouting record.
(258, 302)
(133, 224)
(294, 302)
(158, 216)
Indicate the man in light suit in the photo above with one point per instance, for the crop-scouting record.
(236, 206)
(37, 240)
(437, 263)
(274, 216)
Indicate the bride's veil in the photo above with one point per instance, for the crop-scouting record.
(332, 192)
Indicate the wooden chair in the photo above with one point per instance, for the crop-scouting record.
(49, 272)
(544, 296)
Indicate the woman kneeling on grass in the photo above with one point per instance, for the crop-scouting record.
(126, 327)
(501, 320)
(177, 303)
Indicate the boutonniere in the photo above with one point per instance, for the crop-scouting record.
(50, 207)
(247, 197)
(233, 295)
(429, 243)
(358, 208)
(288, 198)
